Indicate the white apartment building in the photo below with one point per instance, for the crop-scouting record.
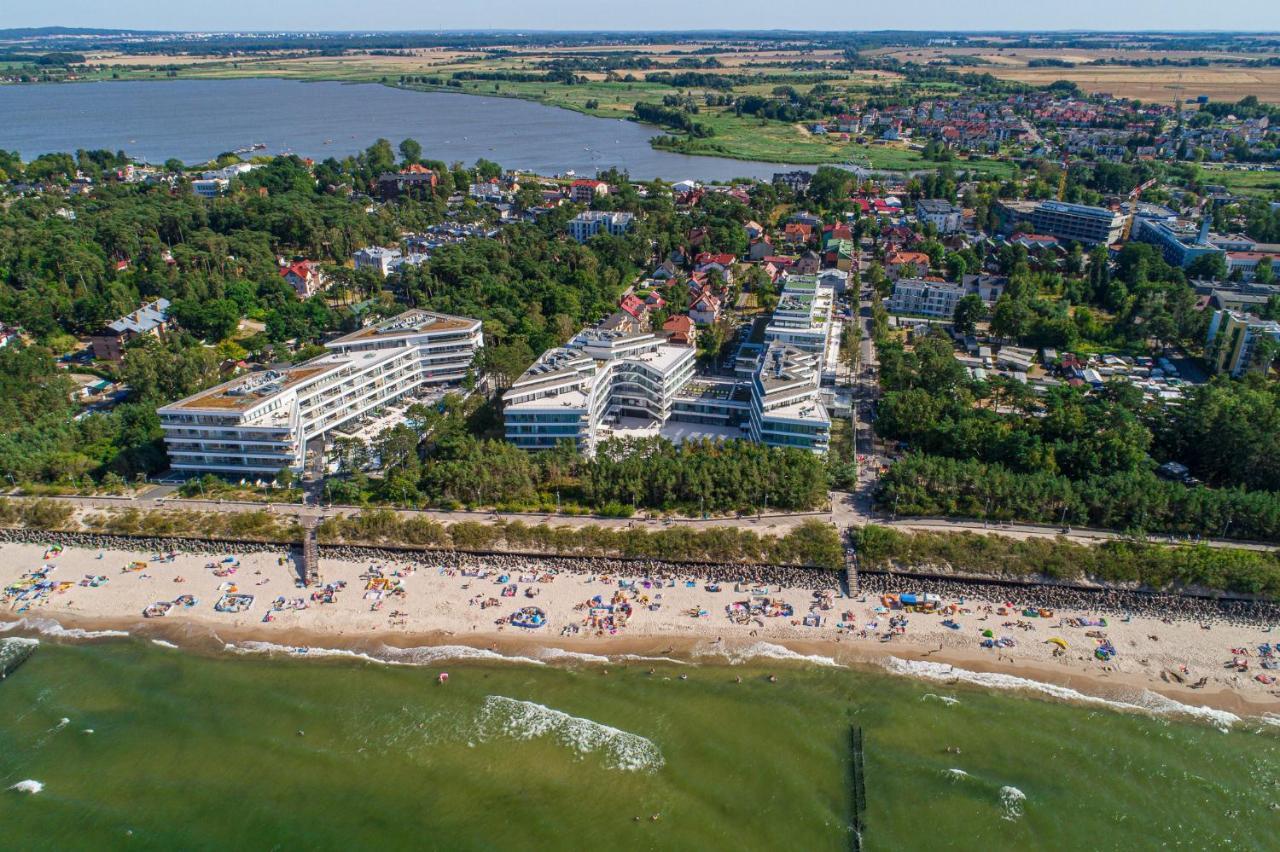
(599, 375)
(385, 260)
(804, 320)
(942, 214)
(786, 410)
(574, 391)
(925, 298)
(587, 224)
(258, 423)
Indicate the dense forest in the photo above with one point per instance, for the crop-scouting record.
(996, 449)
(1129, 562)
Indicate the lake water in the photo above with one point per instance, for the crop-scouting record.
(124, 744)
(195, 120)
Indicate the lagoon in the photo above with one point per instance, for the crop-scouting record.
(195, 120)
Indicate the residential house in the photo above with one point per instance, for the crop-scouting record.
(797, 181)
(152, 318)
(304, 276)
(899, 263)
(585, 191)
(808, 264)
(797, 233)
(413, 182)
(681, 330)
(760, 249)
(704, 308)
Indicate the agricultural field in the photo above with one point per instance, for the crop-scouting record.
(1228, 82)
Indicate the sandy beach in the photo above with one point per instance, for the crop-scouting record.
(423, 604)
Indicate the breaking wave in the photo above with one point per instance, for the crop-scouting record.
(1147, 702)
(1012, 800)
(956, 774)
(554, 655)
(163, 644)
(28, 786)
(948, 700)
(769, 651)
(525, 720)
(49, 627)
(426, 655)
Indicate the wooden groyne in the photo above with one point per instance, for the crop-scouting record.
(857, 790)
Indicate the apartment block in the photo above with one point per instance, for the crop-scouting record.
(587, 224)
(600, 374)
(259, 423)
(1233, 338)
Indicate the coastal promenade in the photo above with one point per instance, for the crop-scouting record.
(848, 509)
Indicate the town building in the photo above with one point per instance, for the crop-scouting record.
(1068, 222)
(588, 223)
(942, 214)
(209, 187)
(936, 299)
(1180, 246)
(609, 382)
(571, 390)
(413, 182)
(152, 318)
(384, 260)
(585, 191)
(262, 422)
(1234, 337)
(797, 181)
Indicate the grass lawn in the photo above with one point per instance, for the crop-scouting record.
(1263, 184)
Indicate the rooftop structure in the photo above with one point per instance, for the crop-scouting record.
(1179, 245)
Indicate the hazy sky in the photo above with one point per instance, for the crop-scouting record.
(646, 15)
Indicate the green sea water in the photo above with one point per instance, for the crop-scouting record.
(202, 750)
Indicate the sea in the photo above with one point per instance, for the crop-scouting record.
(126, 742)
(195, 120)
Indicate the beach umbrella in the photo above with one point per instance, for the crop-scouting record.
(988, 633)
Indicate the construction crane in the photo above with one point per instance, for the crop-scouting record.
(1062, 178)
(1133, 207)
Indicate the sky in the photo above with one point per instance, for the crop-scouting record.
(647, 15)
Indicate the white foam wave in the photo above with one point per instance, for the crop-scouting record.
(1012, 800)
(163, 644)
(956, 774)
(427, 655)
(62, 723)
(252, 647)
(28, 786)
(1270, 719)
(525, 720)
(768, 651)
(1148, 702)
(49, 627)
(430, 655)
(948, 700)
(562, 655)
(640, 658)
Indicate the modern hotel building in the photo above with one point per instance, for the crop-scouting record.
(259, 423)
(607, 382)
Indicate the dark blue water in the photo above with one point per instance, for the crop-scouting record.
(195, 120)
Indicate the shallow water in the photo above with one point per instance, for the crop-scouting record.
(202, 750)
(195, 120)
